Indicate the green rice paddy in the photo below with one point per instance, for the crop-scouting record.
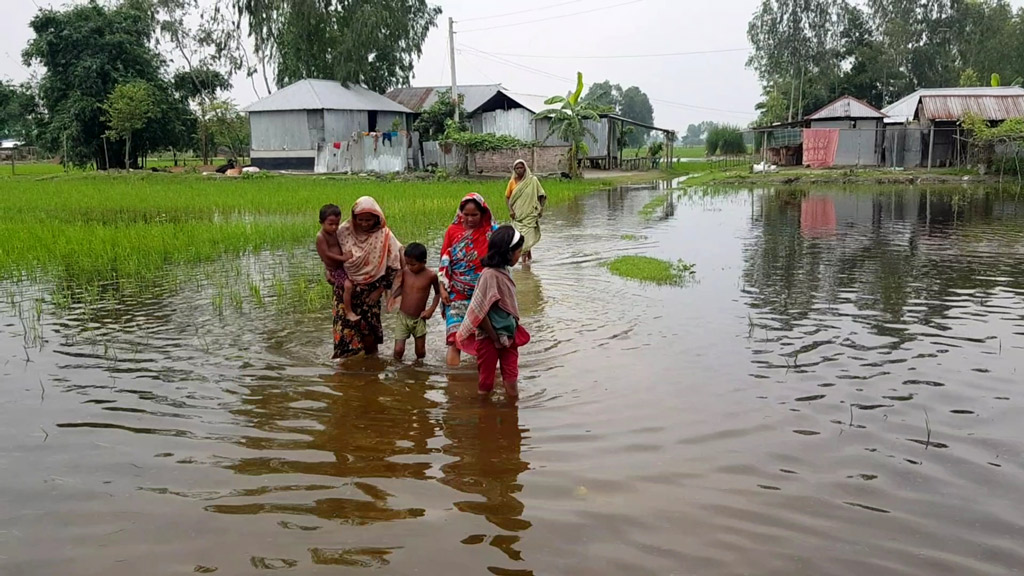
(92, 229)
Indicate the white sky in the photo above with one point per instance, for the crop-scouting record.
(684, 89)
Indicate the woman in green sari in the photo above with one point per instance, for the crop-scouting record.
(526, 199)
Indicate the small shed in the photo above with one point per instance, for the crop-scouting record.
(295, 124)
(923, 129)
(859, 130)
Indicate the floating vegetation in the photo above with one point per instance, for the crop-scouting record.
(633, 237)
(652, 270)
(656, 204)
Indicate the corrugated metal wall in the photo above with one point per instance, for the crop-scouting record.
(857, 146)
(280, 131)
(517, 122)
(903, 145)
(364, 154)
(433, 155)
(386, 120)
(340, 124)
(597, 145)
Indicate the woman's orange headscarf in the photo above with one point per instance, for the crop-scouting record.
(372, 252)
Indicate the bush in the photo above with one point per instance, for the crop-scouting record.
(725, 139)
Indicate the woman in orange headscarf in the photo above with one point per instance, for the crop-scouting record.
(376, 258)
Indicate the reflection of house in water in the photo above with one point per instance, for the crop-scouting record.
(817, 217)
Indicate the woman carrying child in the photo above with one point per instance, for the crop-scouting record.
(375, 258)
(462, 253)
(491, 329)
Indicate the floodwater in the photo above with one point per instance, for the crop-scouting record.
(837, 392)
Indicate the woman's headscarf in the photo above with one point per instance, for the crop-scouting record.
(524, 200)
(463, 248)
(372, 252)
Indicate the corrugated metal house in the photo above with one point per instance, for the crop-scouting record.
(861, 131)
(419, 98)
(923, 128)
(291, 125)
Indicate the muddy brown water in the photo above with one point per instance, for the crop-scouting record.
(838, 392)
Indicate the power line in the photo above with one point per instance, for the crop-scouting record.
(480, 71)
(500, 60)
(517, 12)
(622, 56)
(552, 17)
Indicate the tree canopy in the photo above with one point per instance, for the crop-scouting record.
(19, 110)
(87, 51)
(807, 53)
(374, 43)
(630, 103)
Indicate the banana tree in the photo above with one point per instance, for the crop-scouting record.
(568, 122)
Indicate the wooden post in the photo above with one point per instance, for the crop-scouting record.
(931, 145)
(13, 150)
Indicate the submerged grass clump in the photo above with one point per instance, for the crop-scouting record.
(652, 270)
(633, 237)
(653, 206)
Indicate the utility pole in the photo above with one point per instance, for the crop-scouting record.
(451, 55)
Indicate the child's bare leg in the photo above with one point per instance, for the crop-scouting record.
(511, 388)
(454, 356)
(421, 347)
(399, 349)
(347, 300)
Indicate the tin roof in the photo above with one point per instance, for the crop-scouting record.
(847, 107)
(991, 108)
(313, 94)
(419, 98)
(905, 109)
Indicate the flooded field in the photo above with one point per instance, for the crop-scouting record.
(838, 391)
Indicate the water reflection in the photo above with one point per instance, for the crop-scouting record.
(365, 423)
(486, 440)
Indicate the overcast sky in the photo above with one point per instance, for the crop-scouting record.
(529, 58)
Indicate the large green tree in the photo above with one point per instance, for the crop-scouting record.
(637, 106)
(374, 43)
(19, 111)
(127, 110)
(604, 95)
(87, 50)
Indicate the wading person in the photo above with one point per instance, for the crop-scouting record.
(375, 258)
(526, 199)
(329, 249)
(462, 253)
(414, 288)
(491, 330)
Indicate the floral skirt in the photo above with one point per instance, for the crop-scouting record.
(349, 336)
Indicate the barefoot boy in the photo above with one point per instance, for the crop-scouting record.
(329, 249)
(414, 288)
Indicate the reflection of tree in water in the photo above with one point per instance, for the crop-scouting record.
(363, 421)
(486, 440)
(876, 257)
